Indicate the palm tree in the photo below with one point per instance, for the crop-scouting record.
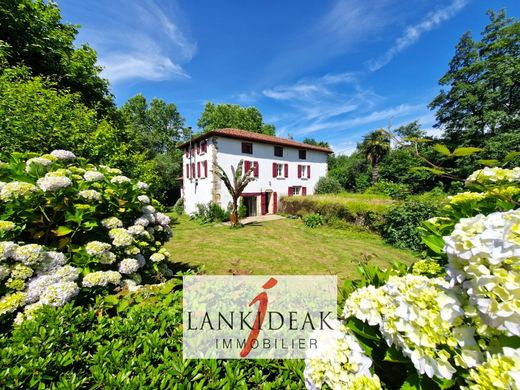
(375, 146)
(236, 187)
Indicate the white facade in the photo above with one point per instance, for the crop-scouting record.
(262, 195)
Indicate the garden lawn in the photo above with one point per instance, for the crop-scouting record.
(279, 247)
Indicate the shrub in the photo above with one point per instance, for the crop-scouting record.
(328, 185)
(388, 188)
(402, 221)
(312, 220)
(242, 209)
(178, 207)
(68, 227)
(130, 341)
(211, 212)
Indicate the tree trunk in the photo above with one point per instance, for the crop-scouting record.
(234, 213)
(375, 172)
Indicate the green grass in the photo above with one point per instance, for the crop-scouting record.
(356, 202)
(279, 247)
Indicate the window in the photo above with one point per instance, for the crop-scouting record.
(278, 151)
(296, 190)
(204, 147)
(279, 171)
(302, 154)
(304, 171)
(247, 147)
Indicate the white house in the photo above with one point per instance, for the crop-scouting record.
(281, 167)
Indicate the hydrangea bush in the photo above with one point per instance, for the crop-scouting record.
(454, 322)
(69, 228)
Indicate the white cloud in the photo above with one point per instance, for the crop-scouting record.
(413, 33)
(138, 39)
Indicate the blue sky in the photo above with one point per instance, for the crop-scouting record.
(330, 69)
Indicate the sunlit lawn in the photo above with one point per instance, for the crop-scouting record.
(279, 247)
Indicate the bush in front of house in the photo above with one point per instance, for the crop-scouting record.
(312, 220)
(328, 185)
(388, 188)
(71, 229)
(130, 341)
(210, 212)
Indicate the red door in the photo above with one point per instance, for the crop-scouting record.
(275, 202)
(263, 202)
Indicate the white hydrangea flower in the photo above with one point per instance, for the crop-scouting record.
(113, 171)
(17, 189)
(162, 219)
(97, 248)
(29, 312)
(464, 197)
(499, 371)
(120, 237)
(59, 293)
(63, 154)
(131, 285)
(91, 195)
(93, 176)
(2, 184)
(142, 186)
(111, 223)
(4, 272)
(147, 210)
(7, 249)
(120, 179)
(39, 284)
(484, 258)
(9, 303)
(157, 257)
(495, 175)
(136, 230)
(51, 183)
(418, 315)
(338, 362)
(52, 261)
(101, 278)
(142, 221)
(44, 162)
(128, 266)
(144, 199)
(6, 226)
(30, 254)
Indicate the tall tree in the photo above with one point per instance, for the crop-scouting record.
(312, 141)
(375, 147)
(482, 95)
(234, 116)
(236, 186)
(33, 34)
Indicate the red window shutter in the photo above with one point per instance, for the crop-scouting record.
(205, 164)
(263, 203)
(304, 191)
(205, 146)
(187, 171)
(255, 168)
(309, 171)
(299, 171)
(286, 170)
(291, 191)
(198, 169)
(198, 148)
(247, 166)
(275, 169)
(193, 170)
(275, 202)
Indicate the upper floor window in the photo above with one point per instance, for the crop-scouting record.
(302, 154)
(278, 151)
(247, 147)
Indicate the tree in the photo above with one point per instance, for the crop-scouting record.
(482, 95)
(312, 141)
(375, 147)
(411, 130)
(235, 187)
(233, 116)
(33, 34)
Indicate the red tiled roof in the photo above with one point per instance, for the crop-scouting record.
(257, 137)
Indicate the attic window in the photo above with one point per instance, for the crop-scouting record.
(302, 154)
(247, 147)
(278, 151)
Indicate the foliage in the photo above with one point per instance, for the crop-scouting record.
(312, 141)
(233, 116)
(482, 95)
(388, 188)
(351, 171)
(34, 35)
(68, 227)
(211, 212)
(125, 341)
(375, 147)
(402, 222)
(433, 330)
(327, 185)
(242, 209)
(37, 117)
(236, 185)
(178, 207)
(312, 220)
